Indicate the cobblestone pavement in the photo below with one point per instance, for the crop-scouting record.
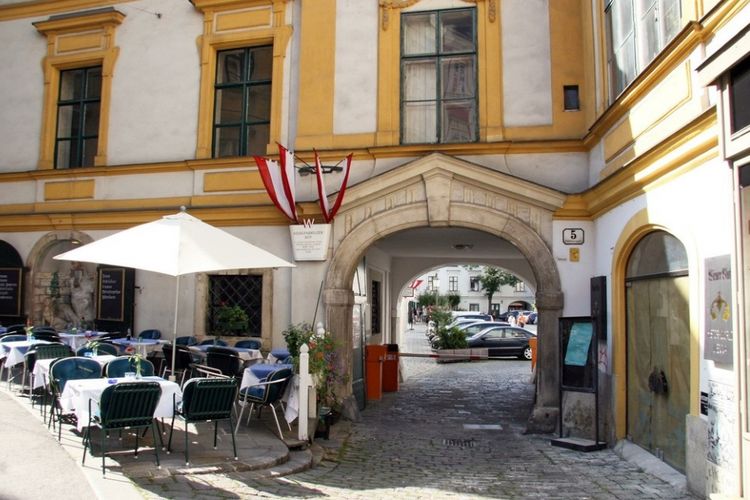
(452, 431)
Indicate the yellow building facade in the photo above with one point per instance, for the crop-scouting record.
(531, 121)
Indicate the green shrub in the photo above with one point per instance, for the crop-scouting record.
(451, 338)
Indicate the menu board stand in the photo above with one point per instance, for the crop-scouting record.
(579, 346)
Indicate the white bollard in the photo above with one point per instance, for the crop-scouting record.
(304, 391)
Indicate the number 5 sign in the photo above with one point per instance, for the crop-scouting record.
(573, 236)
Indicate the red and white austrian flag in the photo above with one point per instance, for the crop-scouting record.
(279, 181)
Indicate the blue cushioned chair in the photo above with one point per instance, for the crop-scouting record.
(150, 334)
(248, 344)
(266, 393)
(218, 342)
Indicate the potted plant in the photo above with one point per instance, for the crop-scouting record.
(324, 363)
(230, 320)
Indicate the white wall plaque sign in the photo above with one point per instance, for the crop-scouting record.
(310, 242)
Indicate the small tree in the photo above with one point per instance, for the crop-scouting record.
(492, 280)
(453, 300)
(428, 299)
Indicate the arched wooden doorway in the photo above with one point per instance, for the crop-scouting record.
(658, 346)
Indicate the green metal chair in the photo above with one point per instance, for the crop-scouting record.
(266, 393)
(102, 348)
(128, 405)
(42, 351)
(118, 367)
(206, 400)
(62, 370)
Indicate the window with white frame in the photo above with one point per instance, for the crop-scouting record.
(475, 285)
(439, 77)
(520, 286)
(453, 283)
(637, 31)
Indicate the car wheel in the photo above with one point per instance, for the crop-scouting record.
(526, 353)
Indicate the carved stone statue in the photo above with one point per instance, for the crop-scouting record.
(81, 293)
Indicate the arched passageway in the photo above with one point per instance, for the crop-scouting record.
(437, 192)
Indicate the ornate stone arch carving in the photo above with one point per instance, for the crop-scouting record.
(440, 191)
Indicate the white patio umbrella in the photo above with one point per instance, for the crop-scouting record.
(175, 245)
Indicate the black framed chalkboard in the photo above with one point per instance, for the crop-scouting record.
(10, 291)
(111, 303)
(577, 354)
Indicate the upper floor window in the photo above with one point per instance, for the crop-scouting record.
(78, 106)
(638, 30)
(242, 101)
(439, 77)
(475, 284)
(520, 286)
(453, 283)
(739, 95)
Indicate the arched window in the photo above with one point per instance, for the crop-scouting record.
(657, 254)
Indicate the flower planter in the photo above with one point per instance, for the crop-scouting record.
(458, 355)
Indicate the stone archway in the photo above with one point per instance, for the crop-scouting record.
(48, 293)
(441, 191)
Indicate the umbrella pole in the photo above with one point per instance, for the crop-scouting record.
(172, 376)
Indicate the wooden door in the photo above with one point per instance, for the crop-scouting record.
(658, 366)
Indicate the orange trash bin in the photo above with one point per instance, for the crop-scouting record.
(390, 368)
(374, 357)
(532, 344)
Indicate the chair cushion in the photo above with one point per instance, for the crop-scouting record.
(254, 391)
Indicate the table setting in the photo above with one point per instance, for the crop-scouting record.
(77, 393)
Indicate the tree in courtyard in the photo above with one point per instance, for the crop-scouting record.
(492, 280)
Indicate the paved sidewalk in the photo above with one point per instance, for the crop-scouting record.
(454, 430)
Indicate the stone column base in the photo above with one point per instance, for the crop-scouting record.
(543, 420)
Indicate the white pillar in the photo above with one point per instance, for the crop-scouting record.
(305, 382)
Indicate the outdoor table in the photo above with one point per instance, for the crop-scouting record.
(255, 373)
(143, 346)
(14, 351)
(245, 353)
(41, 368)
(277, 355)
(75, 397)
(78, 339)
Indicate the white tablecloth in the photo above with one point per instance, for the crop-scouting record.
(76, 395)
(290, 396)
(41, 368)
(142, 346)
(13, 352)
(78, 339)
(245, 353)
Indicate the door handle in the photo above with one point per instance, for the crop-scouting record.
(657, 382)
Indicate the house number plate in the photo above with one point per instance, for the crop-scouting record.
(573, 236)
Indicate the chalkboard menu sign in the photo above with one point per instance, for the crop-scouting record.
(10, 291)
(111, 303)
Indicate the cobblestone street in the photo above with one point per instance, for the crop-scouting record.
(453, 431)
